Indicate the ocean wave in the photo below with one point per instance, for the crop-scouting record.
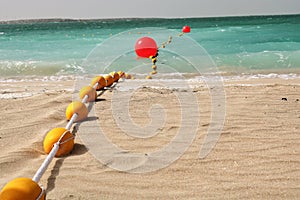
(263, 76)
(237, 45)
(38, 68)
(266, 59)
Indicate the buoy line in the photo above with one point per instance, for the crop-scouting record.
(154, 50)
(59, 141)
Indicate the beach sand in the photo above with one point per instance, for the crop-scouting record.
(256, 157)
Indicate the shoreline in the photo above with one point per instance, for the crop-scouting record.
(28, 86)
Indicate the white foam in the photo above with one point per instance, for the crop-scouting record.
(263, 76)
(29, 79)
(200, 81)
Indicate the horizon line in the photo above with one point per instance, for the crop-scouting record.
(65, 19)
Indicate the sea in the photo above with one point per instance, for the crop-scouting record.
(230, 46)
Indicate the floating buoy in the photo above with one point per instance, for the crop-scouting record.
(148, 77)
(109, 80)
(53, 136)
(101, 82)
(76, 107)
(153, 72)
(90, 91)
(115, 76)
(145, 47)
(154, 67)
(186, 29)
(154, 60)
(22, 189)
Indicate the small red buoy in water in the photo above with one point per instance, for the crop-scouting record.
(186, 29)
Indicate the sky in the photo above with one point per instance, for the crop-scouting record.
(91, 9)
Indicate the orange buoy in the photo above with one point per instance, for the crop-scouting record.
(76, 107)
(100, 80)
(121, 74)
(128, 76)
(53, 136)
(21, 189)
(90, 91)
(115, 76)
(109, 80)
(153, 72)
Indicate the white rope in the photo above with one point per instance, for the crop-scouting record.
(41, 194)
(85, 98)
(69, 125)
(96, 85)
(46, 163)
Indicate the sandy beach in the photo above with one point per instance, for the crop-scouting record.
(256, 157)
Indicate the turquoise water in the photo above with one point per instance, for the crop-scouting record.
(235, 44)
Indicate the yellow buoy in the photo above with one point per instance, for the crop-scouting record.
(153, 72)
(115, 76)
(100, 80)
(22, 189)
(90, 91)
(154, 67)
(67, 141)
(109, 80)
(76, 107)
(154, 60)
(148, 77)
(121, 74)
(128, 76)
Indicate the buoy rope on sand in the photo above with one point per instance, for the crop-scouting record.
(59, 141)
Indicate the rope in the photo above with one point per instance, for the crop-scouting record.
(41, 194)
(46, 163)
(96, 85)
(70, 123)
(85, 98)
(154, 58)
